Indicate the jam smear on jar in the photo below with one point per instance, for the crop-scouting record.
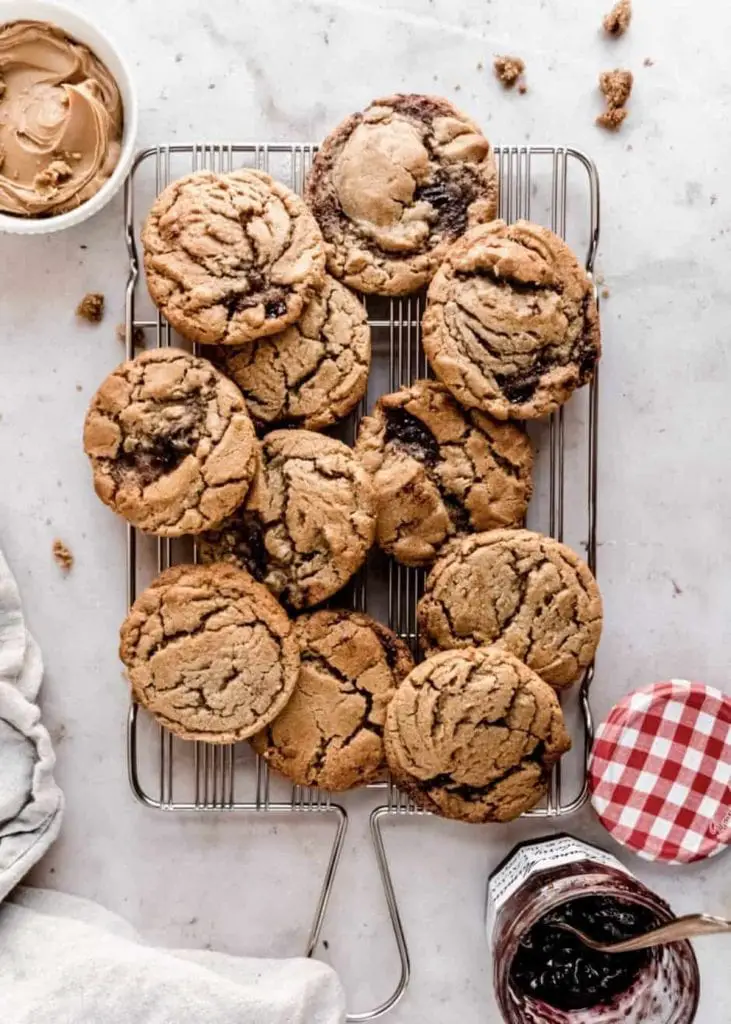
(555, 967)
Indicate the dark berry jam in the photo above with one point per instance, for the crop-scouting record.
(555, 967)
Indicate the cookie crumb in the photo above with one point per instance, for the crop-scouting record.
(64, 558)
(616, 87)
(79, 387)
(522, 88)
(605, 293)
(480, 66)
(138, 336)
(57, 172)
(648, 62)
(508, 70)
(612, 119)
(91, 307)
(714, 199)
(617, 21)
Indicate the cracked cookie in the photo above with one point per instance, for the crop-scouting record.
(472, 734)
(330, 734)
(231, 257)
(511, 324)
(308, 522)
(210, 653)
(441, 470)
(393, 186)
(313, 373)
(520, 590)
(171, 444)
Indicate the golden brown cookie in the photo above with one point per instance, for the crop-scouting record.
(520, 590)
(472, 734)
(393, 186)
(308, 522)
(330, 734)
(313, 373)
(511, 324)
(171, 444)
(441, 470)
(209, 652)
(231, 257)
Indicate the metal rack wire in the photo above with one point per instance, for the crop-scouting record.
(556, 186)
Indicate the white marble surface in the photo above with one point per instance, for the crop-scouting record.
(284, 69)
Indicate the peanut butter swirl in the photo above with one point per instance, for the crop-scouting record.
(60, 121)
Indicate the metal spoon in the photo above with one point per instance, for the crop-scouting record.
(688, 927)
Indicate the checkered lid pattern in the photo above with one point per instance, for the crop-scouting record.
(660, 772)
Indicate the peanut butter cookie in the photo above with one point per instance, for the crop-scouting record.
(231, 257)
(393, 186)
(330, 734)
(472, 734)
(209, 652)
(511, 324)
(308, 522)
(521, 591)
(440, 470)
(171, 444)
(313, 373)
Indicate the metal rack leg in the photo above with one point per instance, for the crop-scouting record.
(398, 928)
(329, 881)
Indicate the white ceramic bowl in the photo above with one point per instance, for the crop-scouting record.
(85, 32)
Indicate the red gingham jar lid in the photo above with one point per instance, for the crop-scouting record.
(660, 772)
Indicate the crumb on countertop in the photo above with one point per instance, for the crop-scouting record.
(91, 307)
(138, 336)
(63, 556)
(612, 119)
(648, 62)
(616, 87)
(617, 21)
(605, 293)
(508, 70)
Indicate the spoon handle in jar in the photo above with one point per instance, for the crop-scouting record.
(689, 927)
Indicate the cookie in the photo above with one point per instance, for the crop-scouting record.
(392, 187)
(441, 470)
(171, 444)
(313, 373)
(520, 590)
(511, 324)
(330, 734)
(308, 523)
(210, 653)
(231, 257)
(472, 734)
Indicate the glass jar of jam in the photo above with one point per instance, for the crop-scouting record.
(545, 975)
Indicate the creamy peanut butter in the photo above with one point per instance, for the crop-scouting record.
(60, 121)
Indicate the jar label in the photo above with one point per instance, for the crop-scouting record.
(533, 858)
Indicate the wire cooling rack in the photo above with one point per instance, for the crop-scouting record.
(555, 186)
